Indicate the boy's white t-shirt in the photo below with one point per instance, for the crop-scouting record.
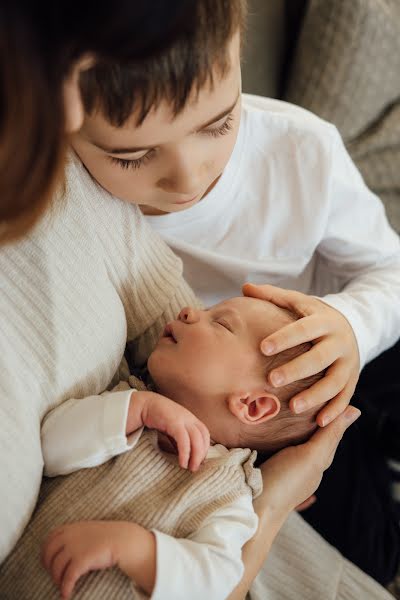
(292, 210)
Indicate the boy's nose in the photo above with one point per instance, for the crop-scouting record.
(188, 315)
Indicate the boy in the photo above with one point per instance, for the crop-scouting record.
(264, 193)
(209, 363)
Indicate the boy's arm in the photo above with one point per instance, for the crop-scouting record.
(358, 254)
(362, 252)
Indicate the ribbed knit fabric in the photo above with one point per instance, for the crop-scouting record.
(145, 486)
(90, 275)
(346, 69)
(301, 566)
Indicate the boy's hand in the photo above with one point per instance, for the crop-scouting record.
(190, 434)
(74, 549)
(334, 349)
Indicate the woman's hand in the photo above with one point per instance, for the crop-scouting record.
(290, 477)
(334, 349)
(293, 475)
(155, 411)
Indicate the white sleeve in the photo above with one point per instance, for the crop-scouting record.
(362, 251)
(86, 432)
(209, 563)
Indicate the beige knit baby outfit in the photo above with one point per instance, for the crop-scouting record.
(145, 486)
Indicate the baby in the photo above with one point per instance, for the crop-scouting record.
(189, 524)
(209, 362)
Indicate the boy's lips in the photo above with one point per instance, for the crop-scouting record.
(187, 201)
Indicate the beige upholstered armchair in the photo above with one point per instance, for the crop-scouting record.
(340, 59)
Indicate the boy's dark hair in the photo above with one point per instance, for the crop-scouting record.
(117, 90)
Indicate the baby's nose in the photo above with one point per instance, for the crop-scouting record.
(188, 315)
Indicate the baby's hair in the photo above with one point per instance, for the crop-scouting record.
(286, 429)
(117, 90)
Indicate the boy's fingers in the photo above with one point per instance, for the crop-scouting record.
(304, 330)
(309, 363)
(336, 406)
(295, 301)
(323, 390)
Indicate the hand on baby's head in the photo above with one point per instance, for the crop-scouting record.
(210, 362)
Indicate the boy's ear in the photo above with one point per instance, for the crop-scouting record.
(255, 407)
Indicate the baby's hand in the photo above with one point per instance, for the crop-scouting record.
(74, 549)
(190, 434)
(334, 349)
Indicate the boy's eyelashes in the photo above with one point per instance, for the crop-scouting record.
(131, 163)
(222, 129)
(136, 163)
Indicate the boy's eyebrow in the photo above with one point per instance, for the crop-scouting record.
(132, 149)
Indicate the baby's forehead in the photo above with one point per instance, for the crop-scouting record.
(258, 313)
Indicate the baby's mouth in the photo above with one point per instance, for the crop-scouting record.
(169, 333)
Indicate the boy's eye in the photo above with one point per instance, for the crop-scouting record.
(222, 129)
(131, 163)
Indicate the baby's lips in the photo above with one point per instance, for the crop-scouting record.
(169, 332)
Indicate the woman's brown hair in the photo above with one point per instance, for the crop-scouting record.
(40, 41)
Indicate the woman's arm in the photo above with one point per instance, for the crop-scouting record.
(289, 478)
(257, 549)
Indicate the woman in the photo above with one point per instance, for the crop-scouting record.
(132, 291)
(44, 46)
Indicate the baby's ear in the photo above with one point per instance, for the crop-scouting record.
(255, 407)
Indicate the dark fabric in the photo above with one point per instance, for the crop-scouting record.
(354, 509)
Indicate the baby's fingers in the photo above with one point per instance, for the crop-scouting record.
(182, 439)
(58, 566)
(52, 546)
(74, 570)
(197, 448)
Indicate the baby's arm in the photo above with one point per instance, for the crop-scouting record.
(208, 563)
(82, 433)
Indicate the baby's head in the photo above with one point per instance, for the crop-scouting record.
(210, 362)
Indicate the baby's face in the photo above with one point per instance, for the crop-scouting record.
(206, 355)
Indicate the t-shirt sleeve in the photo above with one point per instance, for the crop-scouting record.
(86, 432)
(362, 251)
(208, 564)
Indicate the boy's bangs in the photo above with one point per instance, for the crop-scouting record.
(176, 75)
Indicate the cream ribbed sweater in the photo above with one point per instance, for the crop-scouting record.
(91, 275)
(145, 486)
